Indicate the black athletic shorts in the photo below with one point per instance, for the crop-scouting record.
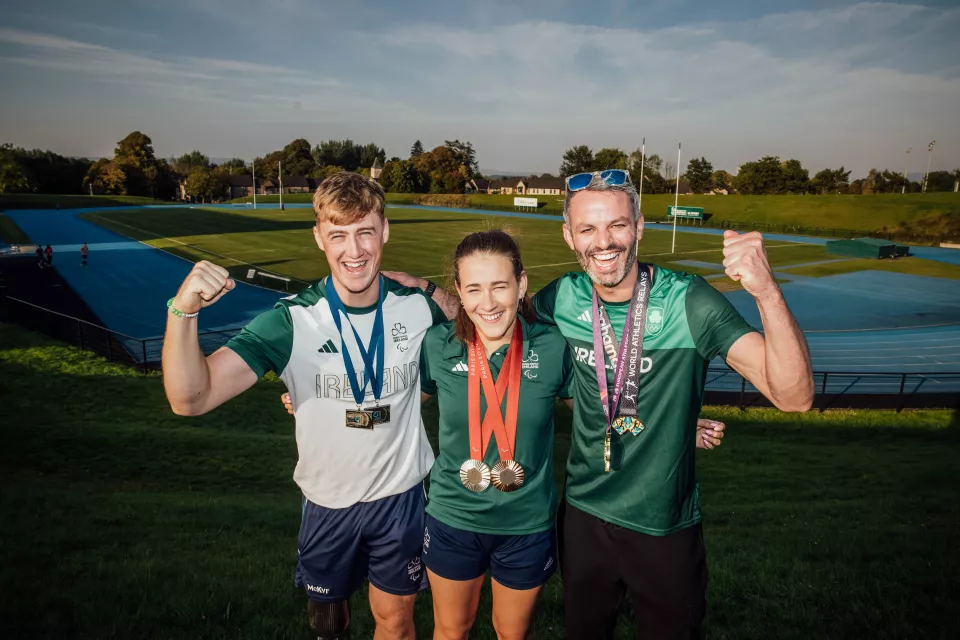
(600, 562)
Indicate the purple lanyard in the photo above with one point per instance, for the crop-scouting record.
(640, 290)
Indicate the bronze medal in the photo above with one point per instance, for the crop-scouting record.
(475, 475)
(507, 475)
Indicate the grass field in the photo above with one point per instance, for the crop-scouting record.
(421, 242)
(10, 232)
(49, 201)
(870, 213)
(121, 520)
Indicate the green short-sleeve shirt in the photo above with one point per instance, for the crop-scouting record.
(545, 375)
(689, 323)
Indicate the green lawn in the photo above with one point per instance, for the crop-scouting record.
(869, 213)
(421, 242)
(10, 233)
(72, 201)
(122, 520)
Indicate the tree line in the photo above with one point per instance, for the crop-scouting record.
(767, 176)
(134, 169)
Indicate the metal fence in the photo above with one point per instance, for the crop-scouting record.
(144, 353)
(847, 389)
(834, 389)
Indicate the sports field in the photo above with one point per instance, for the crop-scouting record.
(860, 316)
(422, 242)
(122, 520)
(871, 212)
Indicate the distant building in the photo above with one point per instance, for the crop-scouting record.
(477, 185)
(291, 184)
(510, 186)
(546, 187)
(521, 186)
(376, 169)
(240, 186)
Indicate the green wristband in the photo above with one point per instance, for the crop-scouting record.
(179, 313)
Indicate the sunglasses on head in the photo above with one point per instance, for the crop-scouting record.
(613, 177)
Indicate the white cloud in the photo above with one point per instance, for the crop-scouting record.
(31, 39)
(849, 85)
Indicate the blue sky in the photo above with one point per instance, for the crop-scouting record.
(829, 83)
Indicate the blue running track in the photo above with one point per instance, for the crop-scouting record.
(128, 283)
(871, 321)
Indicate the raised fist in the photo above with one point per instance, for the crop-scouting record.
(745, 260)
(205, 284)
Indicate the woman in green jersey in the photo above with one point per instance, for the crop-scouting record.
(493, 502)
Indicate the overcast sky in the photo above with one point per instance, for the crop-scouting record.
(829, 83)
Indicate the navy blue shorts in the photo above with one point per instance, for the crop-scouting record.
(516, 562)
(379, 541)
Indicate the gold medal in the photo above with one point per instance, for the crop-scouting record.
(475, 475)
(606, 452)
(507, 475)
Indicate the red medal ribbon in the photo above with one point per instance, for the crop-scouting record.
(506, 384)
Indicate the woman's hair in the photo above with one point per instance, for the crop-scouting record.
(495, 243)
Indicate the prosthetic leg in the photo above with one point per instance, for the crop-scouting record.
(328, 620)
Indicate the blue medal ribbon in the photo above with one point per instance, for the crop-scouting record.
(372, 373)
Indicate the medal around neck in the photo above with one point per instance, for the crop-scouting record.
(372, 356)
(507, 475)
(620, 404)
(475, 475)
(627, 424)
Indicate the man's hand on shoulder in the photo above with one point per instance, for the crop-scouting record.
(450, 304)
(405, 279)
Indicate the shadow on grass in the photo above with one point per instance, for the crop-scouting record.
(123, 520)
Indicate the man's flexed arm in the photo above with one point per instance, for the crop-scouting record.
(778, 362)
(194, 383)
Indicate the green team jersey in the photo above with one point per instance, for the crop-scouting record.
(545, 375)
(689, 323)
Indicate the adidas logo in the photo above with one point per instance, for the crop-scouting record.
(328, 347)
(585, 316)
(461, 366)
